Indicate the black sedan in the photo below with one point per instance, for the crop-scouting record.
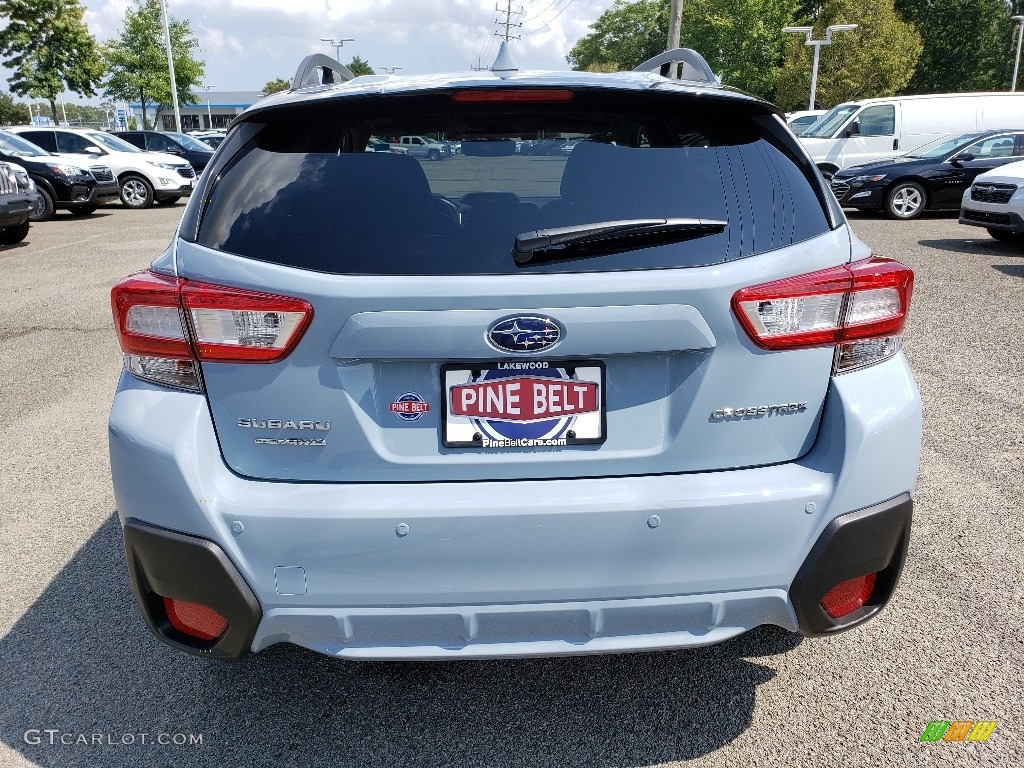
(932, 177)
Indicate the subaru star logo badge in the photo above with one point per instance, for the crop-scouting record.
(524, 333)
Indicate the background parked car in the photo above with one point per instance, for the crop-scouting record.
(17, 196)
(379, 145)
(142, 177)
(59, 183)
(195, 151)
(211, 138)
(798, 121)
(930, 178)
(996, 201)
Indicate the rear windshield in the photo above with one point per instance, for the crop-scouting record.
(306, 192)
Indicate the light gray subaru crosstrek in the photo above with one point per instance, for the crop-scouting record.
(647, 393)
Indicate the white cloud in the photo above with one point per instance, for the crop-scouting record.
(245, 43)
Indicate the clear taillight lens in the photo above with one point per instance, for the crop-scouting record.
(861, 308)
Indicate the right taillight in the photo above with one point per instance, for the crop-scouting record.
(859, 308)
(167, 326)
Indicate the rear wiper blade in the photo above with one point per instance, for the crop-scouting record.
(606, 237)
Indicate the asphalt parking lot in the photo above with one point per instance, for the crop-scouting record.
(76, 661)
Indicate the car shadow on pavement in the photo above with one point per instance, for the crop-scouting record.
(981, 245)
(79, 667)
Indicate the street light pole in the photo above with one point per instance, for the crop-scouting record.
(209, 114)
(170, 67)
(338, 43)
(808, 31)
(1020, 38)
(391, 70)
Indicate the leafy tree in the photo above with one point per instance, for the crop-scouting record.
(275, 86)
(740, 39)
(877, 59)
(360, 66)
(49, 49)
(968, 45)
(12, 113)
(137, 60)
(624, 36)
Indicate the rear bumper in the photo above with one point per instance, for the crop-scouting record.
(543, 567)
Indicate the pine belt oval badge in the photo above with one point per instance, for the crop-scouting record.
(409, 406)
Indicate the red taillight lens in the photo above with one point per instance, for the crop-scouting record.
(868, 299)
(492, 95)
(193, 619)
(845, 598)
(224, 324)
(147, 316)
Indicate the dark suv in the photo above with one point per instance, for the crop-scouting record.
(196, 152)
(61, 183)
(16, 201)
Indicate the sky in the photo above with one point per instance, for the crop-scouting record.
(246, 43)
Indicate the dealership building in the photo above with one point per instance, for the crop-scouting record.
(215, 110)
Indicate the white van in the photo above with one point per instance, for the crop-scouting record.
(880, 129)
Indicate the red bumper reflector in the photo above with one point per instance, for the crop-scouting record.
(195, 620)
(847, 597)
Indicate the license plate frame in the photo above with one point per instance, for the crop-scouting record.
(580, 426)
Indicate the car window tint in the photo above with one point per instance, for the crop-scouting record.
(43, 139)
(992, 147)
(879, 120)
(157, 143)
(307, 194)
(73, 143)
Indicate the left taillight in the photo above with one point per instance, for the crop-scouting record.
(859, 308)
(167, 326)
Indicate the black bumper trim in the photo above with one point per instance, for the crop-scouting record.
(870, 540)
(163, 563)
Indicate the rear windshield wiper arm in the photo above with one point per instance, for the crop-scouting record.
(606, 237)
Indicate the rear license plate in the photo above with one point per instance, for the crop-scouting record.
(523, 404)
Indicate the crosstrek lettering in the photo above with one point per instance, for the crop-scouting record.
(523, 398)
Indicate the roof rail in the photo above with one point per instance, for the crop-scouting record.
(694, 67)
(330, 72)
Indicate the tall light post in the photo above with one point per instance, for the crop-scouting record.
(170, 67)
(206, 87)
(808, 31)
(391, 70)
(1020, 38)
(338, 43)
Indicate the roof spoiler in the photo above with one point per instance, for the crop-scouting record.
(694, 68)
(319, 69)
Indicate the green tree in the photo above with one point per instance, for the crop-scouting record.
(624, 36)
(275, 86)
(741, 39)
(968, 45)
(360, 66)
(137, 60)
(49, 49)
(876, 59)
(11, 112)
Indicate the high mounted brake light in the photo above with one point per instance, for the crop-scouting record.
(520, 95)
(861, 308)
(167, 325)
